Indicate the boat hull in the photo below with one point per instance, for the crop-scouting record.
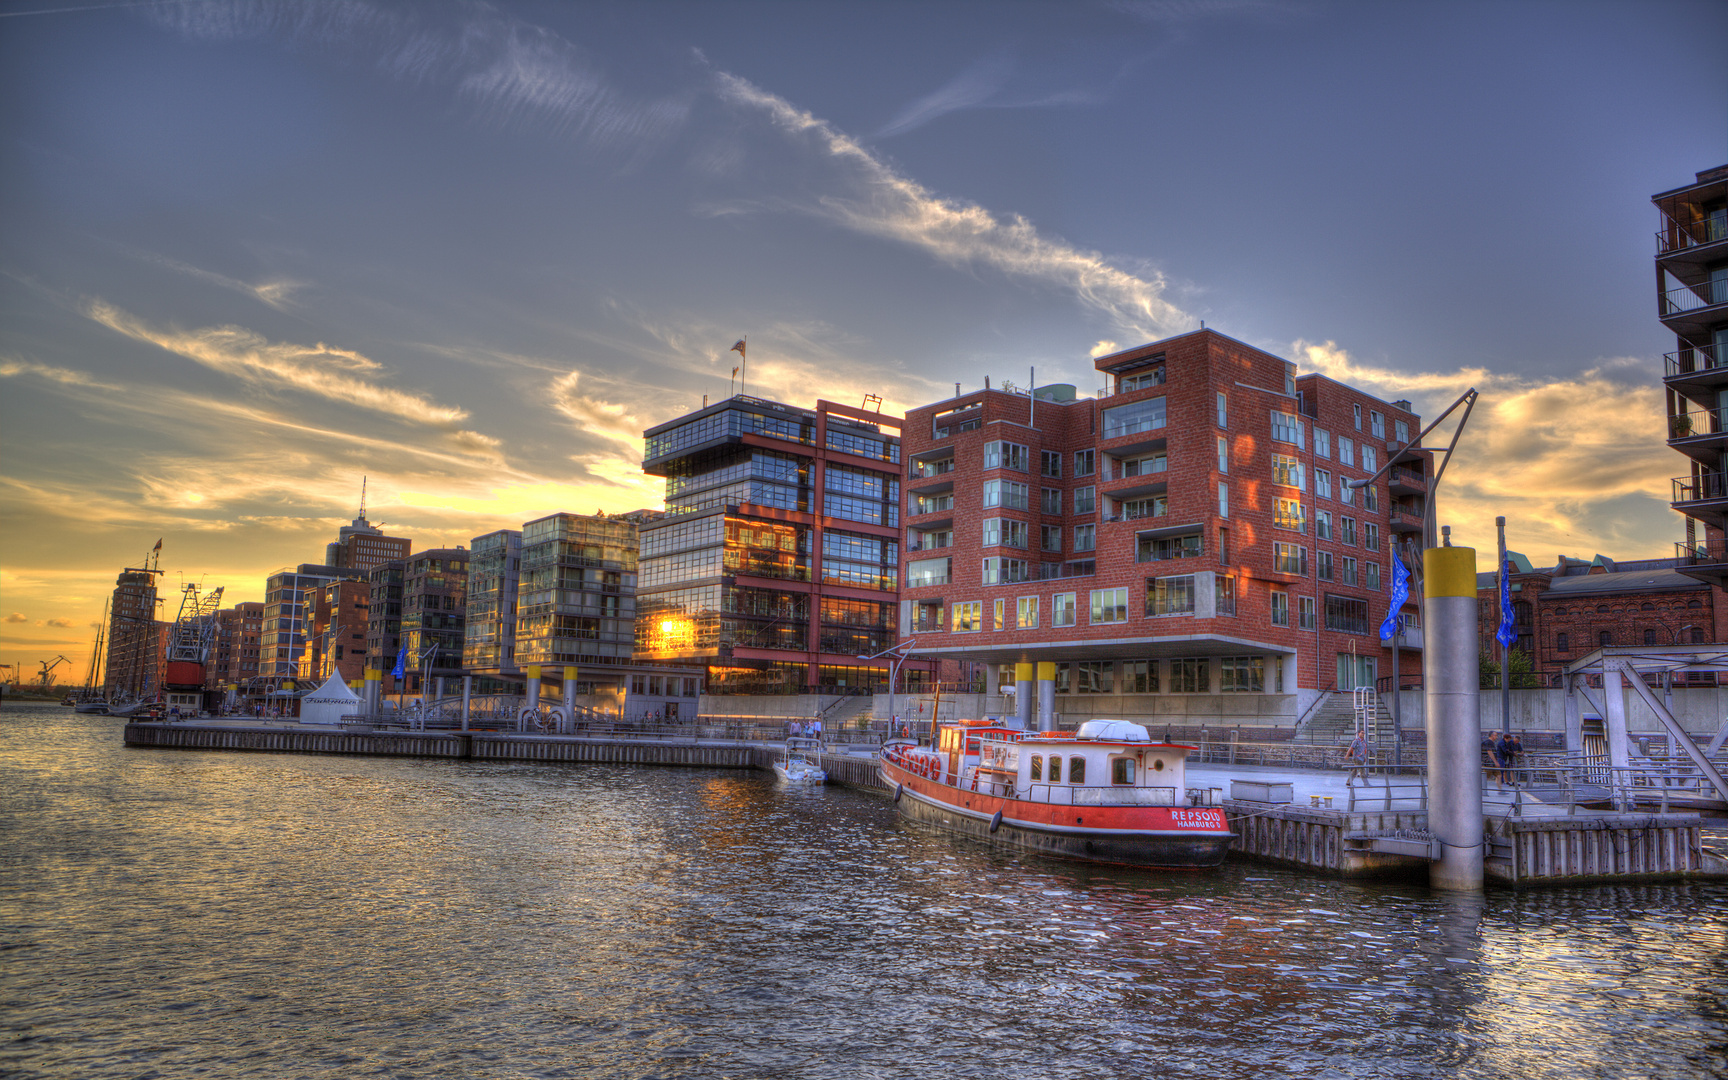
(1171, 837)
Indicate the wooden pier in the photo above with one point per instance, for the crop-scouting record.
(1592, 847)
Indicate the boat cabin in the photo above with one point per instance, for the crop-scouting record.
(1105, 763)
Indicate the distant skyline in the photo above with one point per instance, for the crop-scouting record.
(253, 251)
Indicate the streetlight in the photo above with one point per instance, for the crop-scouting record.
(899, 653)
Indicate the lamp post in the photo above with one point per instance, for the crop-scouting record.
(899, 652)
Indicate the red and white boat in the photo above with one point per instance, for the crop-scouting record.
(1106, 793)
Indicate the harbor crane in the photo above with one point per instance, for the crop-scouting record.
(48, 667)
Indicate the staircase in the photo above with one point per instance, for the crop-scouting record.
(1332, 722)
(847, 714)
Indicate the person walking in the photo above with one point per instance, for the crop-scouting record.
(1497, 759)
(1515, 757)
(1357, 755)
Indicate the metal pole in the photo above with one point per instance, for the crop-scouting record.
(1505, 650)
(1452, 698)
(1397, 689)
(467, 695)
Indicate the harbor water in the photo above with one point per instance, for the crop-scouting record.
(179, 914)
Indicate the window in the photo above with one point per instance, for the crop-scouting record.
(1190, 676)
(1076, 770)
(1280, 608)
(1290, 379)
(1347, 452)
(1049, 538)
(1377, 426)
(1121, 770)
(1170, 595)
(1146, 415)
(1290, 559)
(1142, 381)
(1084, 462)
(1094, 677)
(1140, 677)
(1085, 537)
(1223, 410)
(1347, 531)
(1370, 500)
(1323, 525)
(1050, 463)
(1004, 571)
(1055, 769)
(1109, 606)
(1062, 609)
(1356, 410)
(920, 572)
(932, 504)
(1346, 493)
(1372, 569)
(1224, 594)
(1370, 535)
(1223, 454)
(1143, 466)
(1562, 643)
(1346, 615)
(1242, 674)
(1037, 767)
(998, 614)
(1026, 612)
(1005, 455)
(1285, 428)
(1323, 565)
(1051, 501)
(1322, 443)
(1402, 430)
(1605, 639)
(1160, 548)
(1085, 500)
(1370, 460)
(1151, 507)
(1289, 514)
(1004, 532)
(1005, 493)
(1349, 567)
(1286, 470)
(1305, 612)
(1223, 500)
(968, 617)
(1322, 484)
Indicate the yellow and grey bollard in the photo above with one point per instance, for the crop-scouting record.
(1023, 690)
(1450, 681)
(1046, 695)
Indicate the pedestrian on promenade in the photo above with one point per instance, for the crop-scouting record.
(1510, 748)
(816, 729)
(795, 730)
(1357, 755)
(1497, 758)
(1516, 745)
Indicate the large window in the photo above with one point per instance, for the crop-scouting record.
(1290, 559)
(1004, 571)
(1147, 415)
(1085, 500)
(969, 617)
(1085, 537)
(1289, 514)
(1346, 614)
(1143, 380)
(1170, 595)
(1224, 594)
(1190, 676)
(932, 504)
(1286, 470)
(1242, 674)
(1004, 532)
(1062, 609)
(1006, 494)
(1142, 466)
(1094, 677)
(1109, 606)
(1140, 677)
(1026, 613)
(1160, 548)
(1006, 455)
(1150, 507)
(1285, 428)
(928, 572)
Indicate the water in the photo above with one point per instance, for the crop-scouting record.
(183, 914)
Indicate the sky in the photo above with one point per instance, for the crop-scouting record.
(253, 252)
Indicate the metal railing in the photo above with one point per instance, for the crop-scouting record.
(1684, 425)
(1678, 236)
(1693, 359)
(1705, 552)
(1686, 298)
(1699, 488)
(1408, 477)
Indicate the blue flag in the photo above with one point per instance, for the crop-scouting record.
(401, 659)
(1506, 636)
(1400, 594)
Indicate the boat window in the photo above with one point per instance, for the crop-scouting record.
(1076, 770)
(1055, 769)
(1122, 771)
(1037, 766)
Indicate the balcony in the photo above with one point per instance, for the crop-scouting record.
(1691, 310)
(1704, 497)
(1706, 560)
(1405, 481)
(1401, 520)
(1704, 239)
(1696, 371)
(1701, 434)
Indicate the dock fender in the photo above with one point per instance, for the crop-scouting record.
(996, 822)
(899, 790)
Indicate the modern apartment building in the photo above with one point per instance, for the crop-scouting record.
(419, 602)
(338, 616)
(1692, 302)
(236, 655)
(1188, 542)
(777, 564)
(134, 639)
(489, 642)
(361, 545)
(288, 595)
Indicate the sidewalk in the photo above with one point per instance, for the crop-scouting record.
(1370, 793)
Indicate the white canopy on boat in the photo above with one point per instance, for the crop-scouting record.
(329, 703)
(1113, 730)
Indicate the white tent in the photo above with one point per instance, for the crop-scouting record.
(329, 703)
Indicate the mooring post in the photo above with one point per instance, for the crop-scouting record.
(467, 698)
(569, 701)
(373, 698)
(1023, 692)
(1046, 695)
(1451, 695)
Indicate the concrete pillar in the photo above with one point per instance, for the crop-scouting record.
(438, 693)
(1046, 695)
(1451, 697)
(532, 692)
(467, 696)
(1023, 696)
(1574, 716)
(1614, 718)
(569, 701)
(373, 698)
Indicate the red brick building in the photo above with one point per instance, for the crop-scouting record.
(1187, 536)
(336, 618)
(235, 659)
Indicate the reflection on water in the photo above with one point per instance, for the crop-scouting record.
(172, 914)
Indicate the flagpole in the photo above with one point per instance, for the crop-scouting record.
(1505, 649)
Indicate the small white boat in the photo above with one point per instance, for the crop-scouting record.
(795, 769)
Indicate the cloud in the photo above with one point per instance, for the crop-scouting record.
(60, 624)
(607, 419)
(1103, 348)
(275, 294)
(1569, 475)
(17, 617)
(12, 367)
(877, 201)
(979, 87)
